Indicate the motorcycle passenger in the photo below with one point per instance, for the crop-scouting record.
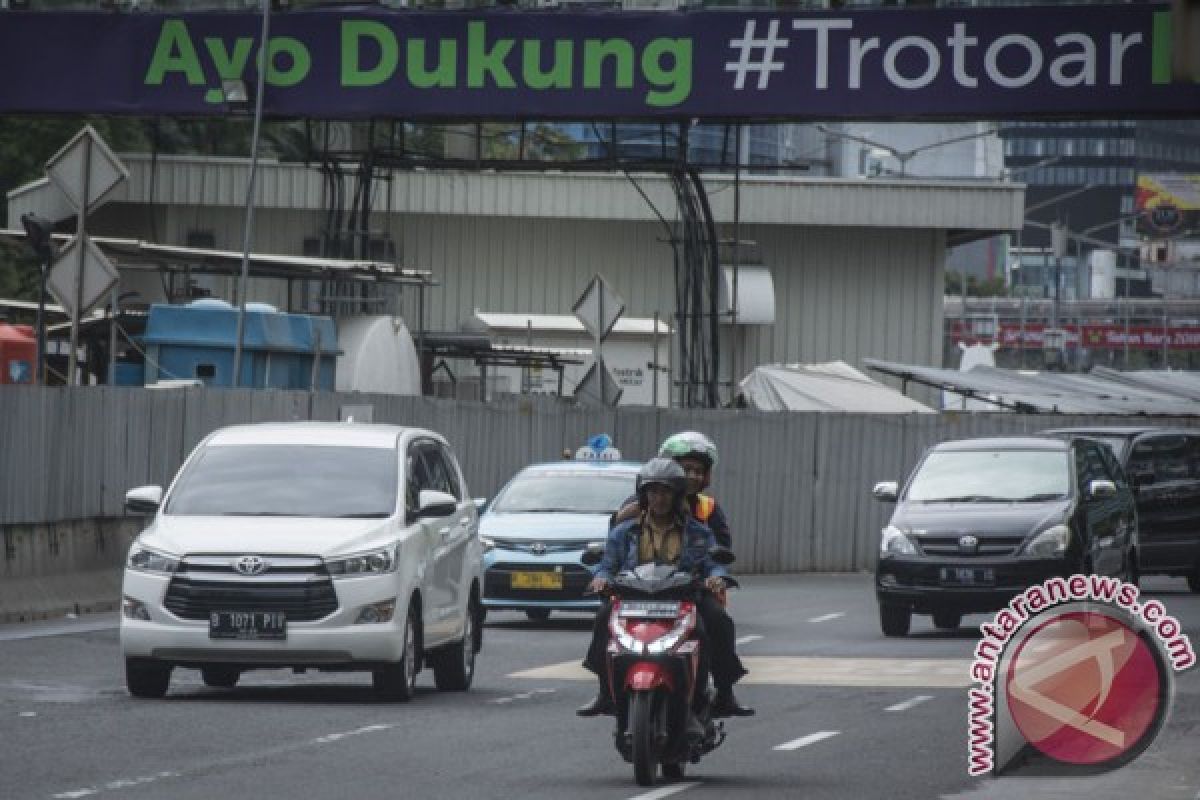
(697, 454)
(664, 533)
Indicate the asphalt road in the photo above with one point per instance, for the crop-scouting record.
(842, 713)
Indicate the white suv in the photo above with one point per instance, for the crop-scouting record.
(331, 546)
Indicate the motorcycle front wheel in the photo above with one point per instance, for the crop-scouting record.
(643, 723)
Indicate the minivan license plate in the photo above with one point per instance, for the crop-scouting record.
(968, 576)
(247, 625)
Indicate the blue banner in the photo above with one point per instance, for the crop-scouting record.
(973, 63)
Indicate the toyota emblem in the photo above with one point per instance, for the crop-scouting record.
(250, 565)
(968, 543)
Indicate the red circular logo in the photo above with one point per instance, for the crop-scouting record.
(1084, 688)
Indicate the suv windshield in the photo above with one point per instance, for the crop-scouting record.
(982, 476)
(288, 481)
(579, 492)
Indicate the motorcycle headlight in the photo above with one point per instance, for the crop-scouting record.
(895, 542)
(1050, 543)
(146, 560)
(375, 562)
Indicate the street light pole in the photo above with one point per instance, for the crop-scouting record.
(248, 227)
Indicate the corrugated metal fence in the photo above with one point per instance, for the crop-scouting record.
(796, 486)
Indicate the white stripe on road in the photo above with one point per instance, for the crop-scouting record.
(910, 703)
(754, 637)
(828, 617)
(805, 741)
(666, 791)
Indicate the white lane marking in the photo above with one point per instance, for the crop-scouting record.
(910, 703)
(523, 696)
(125, 783)
(333, 737)
(27, 714)
(805, 741)
(666, 791)
(754, 637)
(828, 617)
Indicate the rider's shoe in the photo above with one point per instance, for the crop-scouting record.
(600, 704)
(726, 705)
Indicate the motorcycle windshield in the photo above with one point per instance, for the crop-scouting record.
(651, 579)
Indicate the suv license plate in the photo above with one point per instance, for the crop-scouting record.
(968, 576)
(247, 625)
(537, 580)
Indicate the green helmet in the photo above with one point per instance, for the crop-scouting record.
(689, 443)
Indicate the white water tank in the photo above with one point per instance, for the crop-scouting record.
(378, 355)
(1104, 274)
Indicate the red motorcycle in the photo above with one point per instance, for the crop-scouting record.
(663, 715)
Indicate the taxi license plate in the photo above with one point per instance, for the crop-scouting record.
(968, 576)
(247, 625)
(537, 580)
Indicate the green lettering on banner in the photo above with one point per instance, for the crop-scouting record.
(174, 52)
(594, 53)
(481, 61)
(230, 66)
(389, 53)
(559, 75)
(442, 75)
(1160, 48)
(671, 85)
(301, 61)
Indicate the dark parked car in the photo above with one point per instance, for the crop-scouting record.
(1163, 465)
(980, 520)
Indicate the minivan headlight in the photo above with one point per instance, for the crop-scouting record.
(895, 542)
(374, 562)
(146, 560)
(1050, 543)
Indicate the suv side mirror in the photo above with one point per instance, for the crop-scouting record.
(1099, 490)
(143, 499)
(886, 491)
(480, 504)
(432, 504)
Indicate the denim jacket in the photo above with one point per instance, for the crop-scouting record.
(621, 549)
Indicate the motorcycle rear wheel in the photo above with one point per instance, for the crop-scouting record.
(642, 725)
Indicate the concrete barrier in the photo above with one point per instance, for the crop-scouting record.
(58, 568)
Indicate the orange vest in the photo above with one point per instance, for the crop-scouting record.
(704, 507)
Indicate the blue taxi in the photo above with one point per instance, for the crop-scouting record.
(538, 526)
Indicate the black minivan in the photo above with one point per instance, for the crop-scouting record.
(1163, 465)
(981, 520)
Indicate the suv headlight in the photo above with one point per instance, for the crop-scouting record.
(146, 560)
(895, 542)
(1050, 543)
(374, 562)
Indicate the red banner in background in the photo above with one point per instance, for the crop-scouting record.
(1098, 336)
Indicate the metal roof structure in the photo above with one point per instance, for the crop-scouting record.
(1048, 392)
(835, 386)
(565, 323)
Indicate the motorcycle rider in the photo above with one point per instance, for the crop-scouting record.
(664, 533)
(697, 454)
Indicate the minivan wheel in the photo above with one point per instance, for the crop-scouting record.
(220, 677)
(947, 620)
(894, 620)
(454, 666)
(146, 678)
(398, 681)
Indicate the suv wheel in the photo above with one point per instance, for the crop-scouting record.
(894, 620)
(399, 681)
(454, 666)
(947, 620)
(146, 678)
